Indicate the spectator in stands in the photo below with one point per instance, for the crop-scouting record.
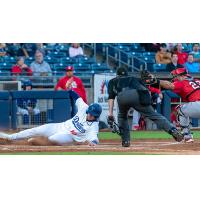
(151, 47)
(14, 50)
(27, 106)
(192, 66)
(75, 50)
(174, 63)
(71, 82)
(196, 52)
(40, 48)
(162, 56)
(20, 68)
(29, 49)
(182, 56)
(39, 66)
(170, 47)
(2, 49)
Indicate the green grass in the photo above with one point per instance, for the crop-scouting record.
(142, 135)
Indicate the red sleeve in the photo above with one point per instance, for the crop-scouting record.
(29, 71)
(177, 86)
(15, 69)
(59, 84)
(154, 90)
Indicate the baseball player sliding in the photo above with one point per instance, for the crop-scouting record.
(82, 128)
(188, 89)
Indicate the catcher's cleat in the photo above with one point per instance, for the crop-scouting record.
(188, 138)
(176, 135)
(126, 143)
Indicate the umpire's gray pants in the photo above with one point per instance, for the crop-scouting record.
(130, 98)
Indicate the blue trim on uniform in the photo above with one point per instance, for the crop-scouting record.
(95, 142)
(73, 95)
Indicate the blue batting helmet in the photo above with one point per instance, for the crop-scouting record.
(94, 110)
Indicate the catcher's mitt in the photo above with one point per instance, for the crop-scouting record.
(148, 78)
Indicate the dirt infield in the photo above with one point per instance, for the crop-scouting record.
(144, 146)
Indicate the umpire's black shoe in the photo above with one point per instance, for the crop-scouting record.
(126, 143)
(176, 135)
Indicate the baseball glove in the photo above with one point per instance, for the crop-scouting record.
(148, 78)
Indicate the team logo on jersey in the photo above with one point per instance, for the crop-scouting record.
(78, 125)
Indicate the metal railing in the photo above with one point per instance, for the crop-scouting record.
(131, 59)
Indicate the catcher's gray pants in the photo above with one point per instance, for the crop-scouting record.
(130, 98)
(187, 111)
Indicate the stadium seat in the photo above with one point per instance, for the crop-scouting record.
(82, 68)
(137, 48)
(124, 48)
(100, 68)
(149, 54)
(86, 60)
(9, 59)
(159, 67)
(51, 60)
(137, 54)
(57, 54)
(5, 66)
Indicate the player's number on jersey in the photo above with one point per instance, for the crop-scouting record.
(195, 84)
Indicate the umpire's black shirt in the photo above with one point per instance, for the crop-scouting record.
(121, 83)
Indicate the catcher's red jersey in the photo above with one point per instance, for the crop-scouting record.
(188, 89)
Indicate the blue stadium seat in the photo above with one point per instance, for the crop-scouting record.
(59, 67)
(87, 60)
(159, 67)
(51, 60)
(137, 54)
(100, 68)
(5, 72)
(150, 62)
(5, 66)
(66, 60)
(137, 48)
(57, 54)
(9, 59)
(82, 68)
(149, 54)
(124, 48)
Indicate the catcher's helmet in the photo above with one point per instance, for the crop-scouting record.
(26, 83)
(179, 72)
(122, 71)
(94, 110)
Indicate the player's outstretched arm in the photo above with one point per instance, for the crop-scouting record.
(167, 85)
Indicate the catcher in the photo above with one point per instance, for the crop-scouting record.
(188, 88)
(133, 92)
